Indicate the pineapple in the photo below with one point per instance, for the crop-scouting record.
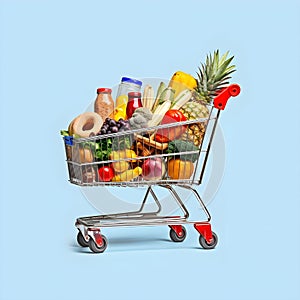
(212, 76)
(195, 110)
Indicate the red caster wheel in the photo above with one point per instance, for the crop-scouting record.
(212, 243)
(178, 238)
(95, 248)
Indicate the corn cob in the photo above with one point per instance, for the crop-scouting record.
(128, 175)
(148, 97)
(161, 88)
(166, 98)
(182, 98)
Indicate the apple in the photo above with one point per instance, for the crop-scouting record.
(153, 169)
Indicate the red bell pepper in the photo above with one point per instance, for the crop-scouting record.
(165, 135)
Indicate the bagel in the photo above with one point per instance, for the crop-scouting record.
(86, 124)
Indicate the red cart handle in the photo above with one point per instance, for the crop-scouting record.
(221, 99)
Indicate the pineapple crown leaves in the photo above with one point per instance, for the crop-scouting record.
(214, 74)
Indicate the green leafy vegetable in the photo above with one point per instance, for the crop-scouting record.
(103, 148)
(178, 146)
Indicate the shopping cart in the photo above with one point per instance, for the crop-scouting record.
(129, 152)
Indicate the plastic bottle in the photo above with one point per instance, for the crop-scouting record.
(104, 103)
(126, 86)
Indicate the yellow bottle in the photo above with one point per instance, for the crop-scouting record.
(120, 110)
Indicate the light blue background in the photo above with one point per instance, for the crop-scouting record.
(54, 54)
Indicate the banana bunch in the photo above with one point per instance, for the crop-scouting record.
(128, 175)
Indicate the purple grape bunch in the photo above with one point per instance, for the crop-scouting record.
(113, 126)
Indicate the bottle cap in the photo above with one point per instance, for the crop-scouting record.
(103, 90)
(134, 95)
(131, 80)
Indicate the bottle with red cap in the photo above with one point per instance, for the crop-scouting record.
(104, 103)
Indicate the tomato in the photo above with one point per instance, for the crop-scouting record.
(165, 135)
(106, 173)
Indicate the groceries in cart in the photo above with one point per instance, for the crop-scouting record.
(146, 134)
(150, 135)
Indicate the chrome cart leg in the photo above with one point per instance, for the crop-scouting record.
(177, 232)
(150, 190)
(139, 211)
(207, 239)
(178, 200)
(199, 200)
(135, 213)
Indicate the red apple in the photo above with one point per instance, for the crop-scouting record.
(153, 169)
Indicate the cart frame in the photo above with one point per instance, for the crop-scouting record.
(89, 227)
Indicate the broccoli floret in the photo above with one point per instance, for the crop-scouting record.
(140, 118)
(178, 146)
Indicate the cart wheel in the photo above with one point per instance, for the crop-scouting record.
(175, 238)
(210, 245)
(81, 241)
(96, 249)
